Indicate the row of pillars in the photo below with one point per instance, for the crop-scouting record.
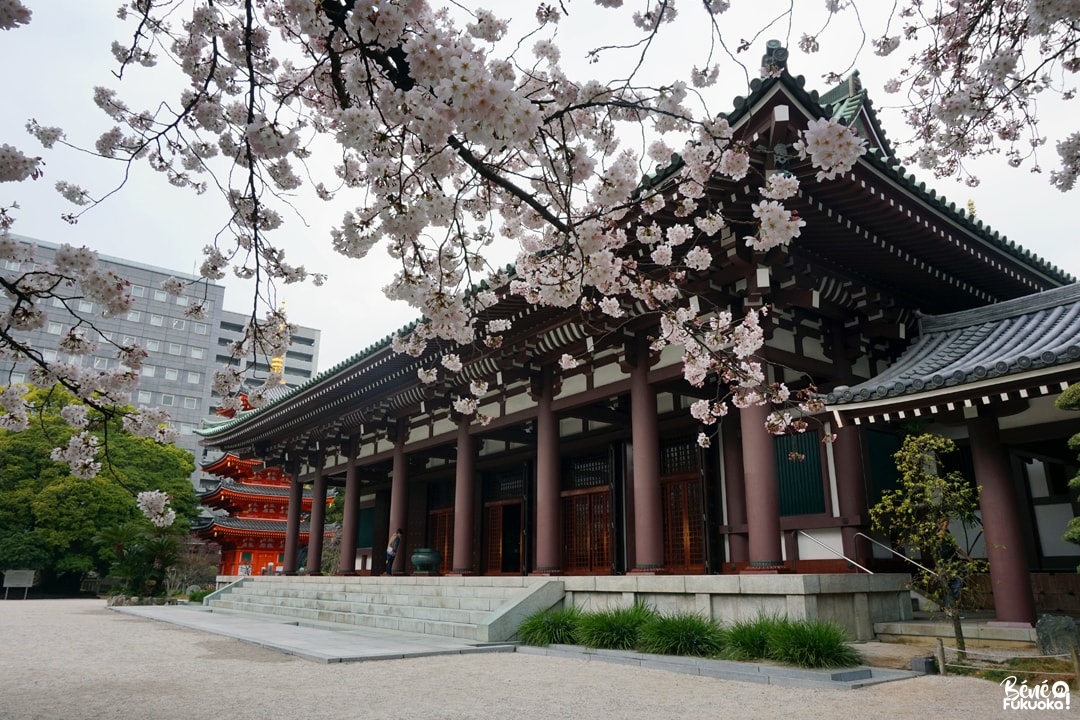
(752, 498)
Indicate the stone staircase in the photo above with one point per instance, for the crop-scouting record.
(481, 609)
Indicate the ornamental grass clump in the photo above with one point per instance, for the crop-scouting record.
(811, 644)
(550, 627)
(616, 628)
(682, 634)
(749, 639)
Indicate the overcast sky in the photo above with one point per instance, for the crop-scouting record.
(52, 65)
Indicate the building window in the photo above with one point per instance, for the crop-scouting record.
(138, 291)
(176, 349)
(191, 403)
(168, 400)
(130, 340)
(157, 320)
(187, 429)
(198, 353)
(55, 328)
(49, 355)
(153, 345)
(101, 363)
(194, 378)
(134, 316)
(171, 373)
(182, 300)
(86, 306)
(799, 474)
(17, 378)
(149, 371)
(145, 397)
(11, 265)
(160, 295)
(178, 324)
(200, 328)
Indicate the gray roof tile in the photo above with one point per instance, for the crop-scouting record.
(1036, 331)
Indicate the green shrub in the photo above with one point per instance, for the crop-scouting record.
(614, 629)
(682, 634)
(749, 639)
(550, 627)
(198, 595)
(811, 644)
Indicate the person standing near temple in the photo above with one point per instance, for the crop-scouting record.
(392, 550)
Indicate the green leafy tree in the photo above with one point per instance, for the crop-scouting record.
(49, 518)
(1070, 400)
(916, 516)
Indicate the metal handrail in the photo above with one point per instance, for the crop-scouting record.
(811, 538)
(898, 554)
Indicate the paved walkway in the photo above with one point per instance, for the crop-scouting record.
(338, 643)
(78, 660)
(322, 644)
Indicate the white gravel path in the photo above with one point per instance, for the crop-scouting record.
(76, 660)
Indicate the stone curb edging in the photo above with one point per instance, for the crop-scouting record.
(839, 679)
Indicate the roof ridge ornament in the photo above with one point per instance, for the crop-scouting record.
(774, 61)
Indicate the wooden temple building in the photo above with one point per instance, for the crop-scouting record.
(897, 304)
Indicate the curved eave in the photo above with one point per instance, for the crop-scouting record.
(1028, 343)
(762, 90)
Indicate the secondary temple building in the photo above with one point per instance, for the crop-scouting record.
(897, 304)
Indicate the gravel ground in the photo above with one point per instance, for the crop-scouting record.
(74, 659)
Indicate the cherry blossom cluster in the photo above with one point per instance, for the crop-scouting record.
(154, 504)
(80, 454)
(15, 166)
(12, 14)
(449, 136)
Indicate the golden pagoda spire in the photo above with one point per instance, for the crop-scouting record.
(277, 363)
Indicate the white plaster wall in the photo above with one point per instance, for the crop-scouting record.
(607, 375)
(572, 386)
(519, 402)
(810, 550)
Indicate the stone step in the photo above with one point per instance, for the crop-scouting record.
(486, 604)
(977, 633)
(479, 609)
(399, 608)
(464, 631)
(423, 594)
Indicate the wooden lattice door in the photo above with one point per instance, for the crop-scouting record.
(680, 488)
(684, 539)
(441, 536)
(587, 531)
(502, 542)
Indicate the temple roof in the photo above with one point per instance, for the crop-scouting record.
(1034, 332)
(252, 490)
(252, 525)
(890, 230)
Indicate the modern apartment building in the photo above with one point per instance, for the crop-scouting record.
(183, 351)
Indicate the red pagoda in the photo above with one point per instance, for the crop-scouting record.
(252, 535)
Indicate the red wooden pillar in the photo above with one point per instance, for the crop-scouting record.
(399, 495)
(1009, 576)
(762, 490)
(851, 492)
(734, 491)
(648, 516)
(292, 521)
(548, 557)
(350, 522)
(317, 524)
(464, 493)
